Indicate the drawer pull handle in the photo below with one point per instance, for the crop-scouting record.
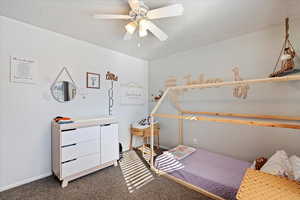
(73, 129)
(106, 124)
(69, 145)
(69, 161)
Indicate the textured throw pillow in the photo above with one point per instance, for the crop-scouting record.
(278, 164)
(295, 162)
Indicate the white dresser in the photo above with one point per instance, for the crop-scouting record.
(83, 147)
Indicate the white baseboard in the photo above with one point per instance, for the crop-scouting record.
(25, 181)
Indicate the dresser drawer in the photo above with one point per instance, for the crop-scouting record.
(80, 135)
(80, 149)
(80, 164)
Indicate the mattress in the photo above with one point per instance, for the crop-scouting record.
(212, 172)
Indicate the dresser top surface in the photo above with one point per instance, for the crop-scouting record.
(79, 123)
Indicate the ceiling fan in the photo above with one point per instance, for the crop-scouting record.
(140, 16)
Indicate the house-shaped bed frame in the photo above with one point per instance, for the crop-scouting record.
(291, 122)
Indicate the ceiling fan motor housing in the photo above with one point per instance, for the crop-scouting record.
(139, 13)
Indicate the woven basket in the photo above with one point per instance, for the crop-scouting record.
(258, 185)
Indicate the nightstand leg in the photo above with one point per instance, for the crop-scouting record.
(144, 145)
(130, 144)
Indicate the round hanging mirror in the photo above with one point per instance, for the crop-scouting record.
(63, 91)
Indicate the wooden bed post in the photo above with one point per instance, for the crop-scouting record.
(152, 125)
(180, 129)
(152, 141)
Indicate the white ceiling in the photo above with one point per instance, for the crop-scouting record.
(204, 21)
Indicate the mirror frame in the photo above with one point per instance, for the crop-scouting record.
(64, 69)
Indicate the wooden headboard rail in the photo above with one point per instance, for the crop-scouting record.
(231, 121)
(253, 116)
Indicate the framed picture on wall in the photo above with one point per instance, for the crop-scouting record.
(92, 80)
(22, 70)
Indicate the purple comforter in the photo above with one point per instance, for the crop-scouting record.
(215, 173)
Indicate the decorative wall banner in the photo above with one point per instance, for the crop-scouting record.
(132, 94)
(23, 70)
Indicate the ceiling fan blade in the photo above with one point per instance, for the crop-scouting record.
(155, 30)
(112, 17)
(169, 11)
(134, 4)
(127, 36)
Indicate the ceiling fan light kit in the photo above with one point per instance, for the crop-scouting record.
(140, 16)
(131, 27)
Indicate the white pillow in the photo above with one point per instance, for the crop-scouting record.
(253, 165)
(295, 162)
(278, 164)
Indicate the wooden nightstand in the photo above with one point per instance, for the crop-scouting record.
(145, 133)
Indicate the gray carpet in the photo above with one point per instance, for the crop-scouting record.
(106, 184)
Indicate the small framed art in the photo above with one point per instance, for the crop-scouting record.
(92, 80)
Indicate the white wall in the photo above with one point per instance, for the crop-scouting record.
(26, 110)
(255, 54)
(1, 113)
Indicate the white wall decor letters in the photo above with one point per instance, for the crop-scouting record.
(132, 94)
(22, 70)
(188, 79)
(200, 80)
